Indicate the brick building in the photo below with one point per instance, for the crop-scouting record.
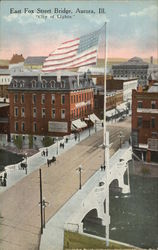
(5, 79)
(145, 123)
(4, 122)
(16, 64)
(118, 92)
(49, 104)
(113, 99)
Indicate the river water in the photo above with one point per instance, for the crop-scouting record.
(8, 158)
(134, 217)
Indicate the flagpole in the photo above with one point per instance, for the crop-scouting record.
(106, 148)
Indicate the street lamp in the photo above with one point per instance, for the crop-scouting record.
(89, 125)
(26, 163)
(121, 136)
(79, 136)
(95, 125)
(57, 147)
(44, 205)
(80, 181)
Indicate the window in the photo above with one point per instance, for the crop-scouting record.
(139, 122)
(43, 113)
(22, 112)
(71, 113)
(22, 98)
(34, 127)
(53, 113)
(62, 99)
(43, 99)
(77, 98)
(15, 98)
(34, 112)
(63, 114)
(33, 83)
(153, 104)
(139, 104)
(153, 122)
(53, 99)
(15, 111)
(16, 126)
(74, 98)
(154, 135)
(71, 99)
(22, 126)
(34, 99)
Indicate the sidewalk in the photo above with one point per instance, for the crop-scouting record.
(15, 174)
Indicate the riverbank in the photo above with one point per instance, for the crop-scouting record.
(17, 151)
(145, 169)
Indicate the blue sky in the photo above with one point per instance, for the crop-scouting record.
(132, 26)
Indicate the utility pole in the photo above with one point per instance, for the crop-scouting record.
(57, 147)
(80, 181)
(41, 207)
(89, 125)
(44, 205)
(106, 146)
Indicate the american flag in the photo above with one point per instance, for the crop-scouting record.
(74, 53)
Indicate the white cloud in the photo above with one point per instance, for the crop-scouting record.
(24, 18)
(151, 11)
(123, 15)
(97, 19)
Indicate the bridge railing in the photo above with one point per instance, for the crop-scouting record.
(71, 227)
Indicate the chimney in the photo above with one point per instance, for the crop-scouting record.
(151, 60)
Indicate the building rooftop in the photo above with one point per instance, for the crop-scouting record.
(65, 81)
(133, 61)
(16, 59)
(35, 60)
(153, 88)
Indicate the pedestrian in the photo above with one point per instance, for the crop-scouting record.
(46, 151)
(104, 167)
(4, 182)
(48, 162)
(75, 137)
(5, 175)
(1, 180)
(43, 153)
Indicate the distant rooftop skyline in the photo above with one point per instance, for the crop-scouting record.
(132, 26)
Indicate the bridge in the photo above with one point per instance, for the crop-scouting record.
(89, 200)
(96, 198)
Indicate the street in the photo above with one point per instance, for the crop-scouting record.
(19, 205)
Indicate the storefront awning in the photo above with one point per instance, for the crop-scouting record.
(78, 124)
(94, 118)
(111, 112)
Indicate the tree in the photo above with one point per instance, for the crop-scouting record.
(47, 141)
(30, 141)
(18, 141)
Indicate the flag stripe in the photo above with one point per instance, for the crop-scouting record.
(64, 52)
(94, 63)
(71, 41)
(68, 46)
(59, 59)
(84, 62)
(76, 59)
